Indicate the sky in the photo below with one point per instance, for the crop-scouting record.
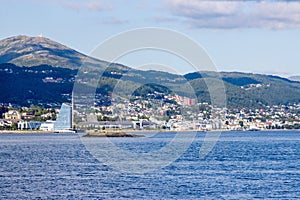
(248, 36)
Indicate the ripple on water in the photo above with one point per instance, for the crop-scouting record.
(241, 166)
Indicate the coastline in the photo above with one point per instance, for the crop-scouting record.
(24, 132)
(136, 131)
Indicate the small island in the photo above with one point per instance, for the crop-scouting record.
(110, 134)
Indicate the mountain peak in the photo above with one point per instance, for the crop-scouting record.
(24, 50)
(40, 39)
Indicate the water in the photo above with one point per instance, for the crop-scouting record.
(243, 165)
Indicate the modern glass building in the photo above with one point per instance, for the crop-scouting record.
(29, 125)
(64, 119)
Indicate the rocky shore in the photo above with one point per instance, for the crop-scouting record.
(110, 134)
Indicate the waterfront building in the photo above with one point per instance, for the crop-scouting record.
(64, 119)
(4, 123)
(47, 126)
(23, 125)
(12, 115)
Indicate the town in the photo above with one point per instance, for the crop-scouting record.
(155, 111)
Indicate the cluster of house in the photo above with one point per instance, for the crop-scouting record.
(271, 117)
(163, 113)
(10, 117)
(158, 114)
(14, 118)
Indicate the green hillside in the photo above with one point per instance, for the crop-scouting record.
(52, 85)
(37, 70)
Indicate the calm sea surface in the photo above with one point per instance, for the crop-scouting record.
(242, 165)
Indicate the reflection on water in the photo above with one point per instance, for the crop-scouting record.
(242, 165)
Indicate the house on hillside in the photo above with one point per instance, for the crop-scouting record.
(12, 115)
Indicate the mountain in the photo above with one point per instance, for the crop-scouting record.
(37, 70)
(31, 51)
(47, 85)
(250, 90)
(26, 86)
(295, 78)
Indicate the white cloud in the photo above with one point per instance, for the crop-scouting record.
(236, 14)
(278, 15)
(194, 9)
(92, 5)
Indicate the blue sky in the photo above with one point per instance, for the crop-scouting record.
(249, 36)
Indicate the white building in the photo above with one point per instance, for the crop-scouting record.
(47, 126)
(29, 125)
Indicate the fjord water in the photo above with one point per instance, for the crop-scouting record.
(242, 165)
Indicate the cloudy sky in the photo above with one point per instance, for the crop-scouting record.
(250, 36)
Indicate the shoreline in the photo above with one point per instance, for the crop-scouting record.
(24, 132)
(135, 131)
